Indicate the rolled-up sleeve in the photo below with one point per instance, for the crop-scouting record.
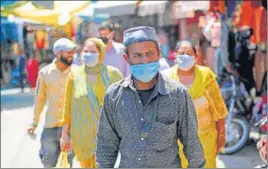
(188, 134)
(107, 138)
(40, 97)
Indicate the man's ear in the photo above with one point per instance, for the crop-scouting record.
(126, 58)
(159, 53)
(57, 55)
(112, 34)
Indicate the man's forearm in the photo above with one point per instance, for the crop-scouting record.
(39, 105)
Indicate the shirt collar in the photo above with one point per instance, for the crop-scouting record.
(161, 84)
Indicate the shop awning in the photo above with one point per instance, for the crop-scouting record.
(115, 8)
(11, 3)
(186, 9)
(48, 16)
(151, 7)
(87, 14)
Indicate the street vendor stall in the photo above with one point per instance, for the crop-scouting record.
(62, 9)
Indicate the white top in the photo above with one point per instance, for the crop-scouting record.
(163, 64)
(114, 57)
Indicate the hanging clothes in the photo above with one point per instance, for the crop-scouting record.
(32, 71)
(254, 15)
(215, 6)
(40, 39)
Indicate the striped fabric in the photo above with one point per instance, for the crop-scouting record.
(83, 103)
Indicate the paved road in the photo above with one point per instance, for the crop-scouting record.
(18, 150)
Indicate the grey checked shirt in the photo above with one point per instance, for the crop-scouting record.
(146, 136)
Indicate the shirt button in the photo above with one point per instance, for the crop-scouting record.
(139, 159)
(142, 119)
(139, 101)
(142, 138)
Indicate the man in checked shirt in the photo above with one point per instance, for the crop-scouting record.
(51, 87)
(145, 114)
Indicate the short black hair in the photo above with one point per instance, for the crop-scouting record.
(190, 42)
(107, 25)
(156, 45)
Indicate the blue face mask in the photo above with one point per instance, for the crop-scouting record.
(145, 72)
(185, 62)
(90, 59)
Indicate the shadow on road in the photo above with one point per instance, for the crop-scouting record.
(18, 100)
(248, 157)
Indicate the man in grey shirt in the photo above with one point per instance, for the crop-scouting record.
(145, 114)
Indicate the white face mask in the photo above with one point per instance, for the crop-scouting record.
(185, 62)
(90, 59)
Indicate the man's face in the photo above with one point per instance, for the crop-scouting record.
(106, 33)
(143, 52)
(66, 56)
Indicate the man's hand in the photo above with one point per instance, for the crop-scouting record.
(31, 129)
(229, 68)
(65, 144)
(220, 142)
(262, 147)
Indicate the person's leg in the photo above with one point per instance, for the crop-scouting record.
(216, 63)
(89, 163)
(209, 144)
(22, 76)
(245, 70)
(259, 68)
(50, 148)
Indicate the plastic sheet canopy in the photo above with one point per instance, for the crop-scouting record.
(48, 16)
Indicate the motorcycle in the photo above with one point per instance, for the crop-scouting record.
(240, 120)
(237, 127)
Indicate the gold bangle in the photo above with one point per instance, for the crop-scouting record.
(221, 134)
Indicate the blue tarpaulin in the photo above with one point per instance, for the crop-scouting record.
(6, 3)
(9, 30)
(88, 15)
(97, 19)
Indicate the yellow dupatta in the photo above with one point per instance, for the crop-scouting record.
(202, 78)
(86, 105)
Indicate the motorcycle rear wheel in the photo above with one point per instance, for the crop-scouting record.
(236, 136)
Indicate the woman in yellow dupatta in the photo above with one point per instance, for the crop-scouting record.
(85, 90)
(210, 107)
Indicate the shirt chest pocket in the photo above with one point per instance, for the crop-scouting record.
(52, 84)
(164, 135)
(166, 110)
(203, 113)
